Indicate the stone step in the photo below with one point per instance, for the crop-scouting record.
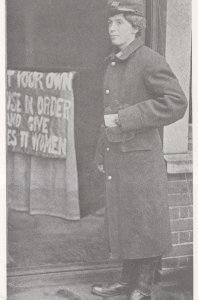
(78, 292)
(117, 298)
(82, 292)
(59, 287)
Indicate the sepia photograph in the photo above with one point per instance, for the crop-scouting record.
(99, 150)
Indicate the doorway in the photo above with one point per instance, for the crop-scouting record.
(60, 36)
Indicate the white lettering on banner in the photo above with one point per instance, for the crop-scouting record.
(36, 124)
(30, 80)
(13, 101)
(13, 120)
(60, 81)
(11, 137)
(10, 73)
(29, 105)
(53, 106)
(39, 111)
(52, 144)
(24, 139)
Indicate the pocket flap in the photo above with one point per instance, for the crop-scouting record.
(114, 134)
(142, 141)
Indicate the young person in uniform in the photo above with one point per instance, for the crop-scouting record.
(141, 95)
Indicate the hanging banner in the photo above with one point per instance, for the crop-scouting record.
(39, 112)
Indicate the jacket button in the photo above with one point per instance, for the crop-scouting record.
(113, 63)
(109, 177)
(108, 149)
(107, 92)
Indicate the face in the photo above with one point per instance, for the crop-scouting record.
(121, 32)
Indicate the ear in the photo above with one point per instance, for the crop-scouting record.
(134, 30)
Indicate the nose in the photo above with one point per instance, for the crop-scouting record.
(112, 27)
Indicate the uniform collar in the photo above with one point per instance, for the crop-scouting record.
(131, 48)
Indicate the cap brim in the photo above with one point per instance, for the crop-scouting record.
(116, 10)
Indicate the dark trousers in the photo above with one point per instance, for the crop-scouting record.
(139, 273)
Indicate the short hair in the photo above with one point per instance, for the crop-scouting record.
(138, 22)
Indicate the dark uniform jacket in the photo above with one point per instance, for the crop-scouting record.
(140, 86)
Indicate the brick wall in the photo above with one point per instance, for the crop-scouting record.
(181, 215)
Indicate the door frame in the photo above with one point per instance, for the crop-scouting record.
(156, 14)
